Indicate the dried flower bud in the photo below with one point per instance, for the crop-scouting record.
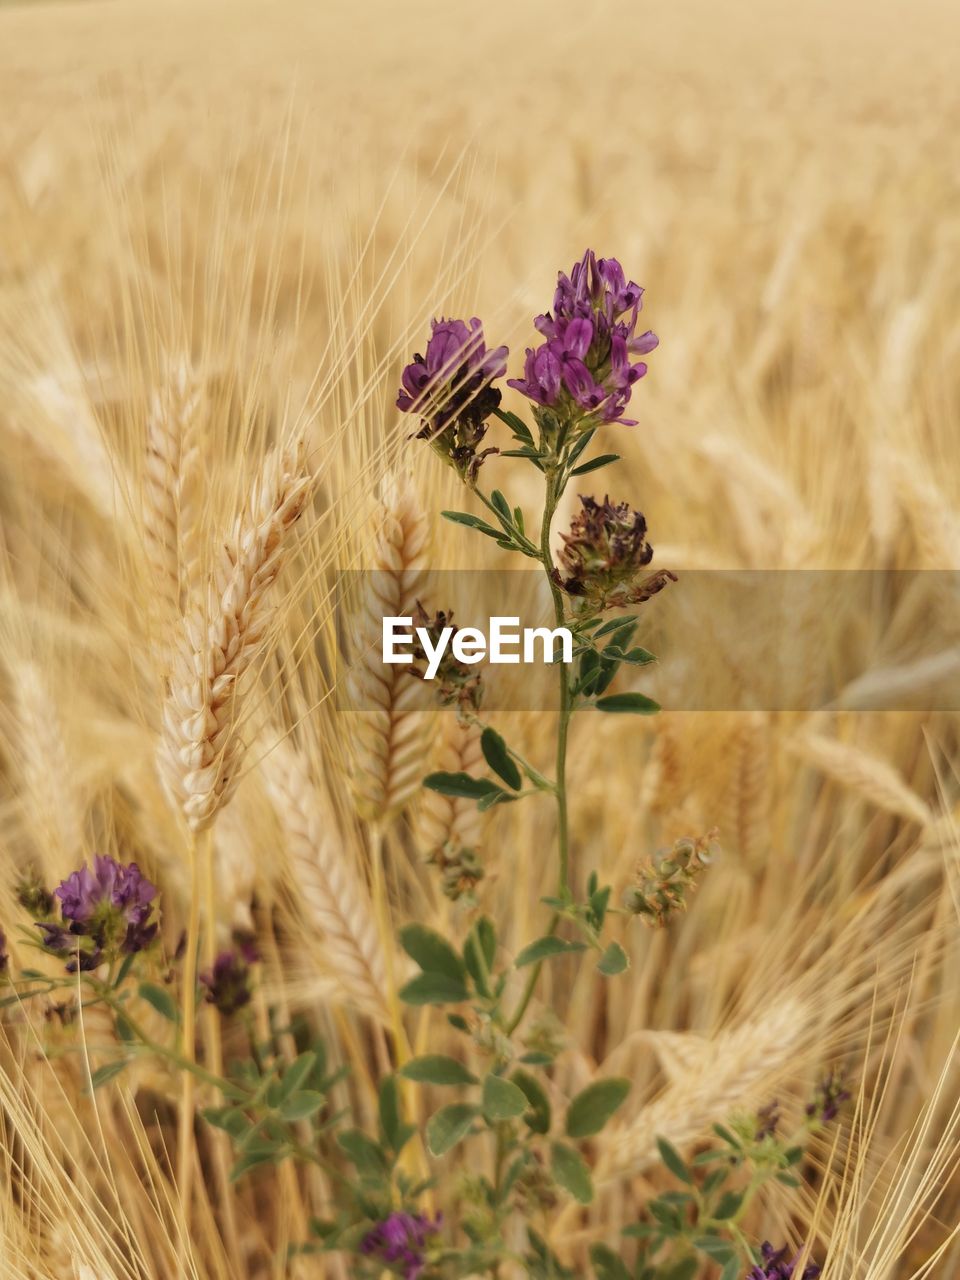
(228, 982)
(4, 958)
(460, 868)
(664, 882)
(604, 553)
(34, 896)
(457, 684)
(767, 1121)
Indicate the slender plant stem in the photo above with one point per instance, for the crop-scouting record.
(564, 709)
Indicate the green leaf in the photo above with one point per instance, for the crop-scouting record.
(685, 1269)
(460, 784)
(449, 1126)
(107, 1072)
(433, 988)
(124, 1030)
(571, 1172)
(637, 703)
(732, 1270)
(363, 1152)
(502, 1100)
(716, 1248)
(636, 657)
(303, 1104)
(613, 961)
(231, 1119)
(432, 952)
(538, 1114)
(499, 759)
(472, 522)
(592, 1107)
(265, 1154)
(496, 796)
(297, 1074)
(727, 1205)
(516, 425)
(436, 1068)
(596, 463)
(545, 948)
(615, 624)
(606, 1263)
(671, 1158)
(160, 999)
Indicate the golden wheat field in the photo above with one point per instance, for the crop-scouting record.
(224, 231)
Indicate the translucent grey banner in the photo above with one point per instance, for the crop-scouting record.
(783, 640)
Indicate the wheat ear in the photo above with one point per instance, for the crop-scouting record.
(331, 891)
(201, 748)
(859, 771)
(169, 506)
(390, 724)
(449, 821)
(724, 1073)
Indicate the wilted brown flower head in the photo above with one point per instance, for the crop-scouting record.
(604, 553)
(457, 684)
(662, 884)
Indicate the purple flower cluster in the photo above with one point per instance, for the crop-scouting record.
(227, 983)
(775, 1265)
(450, 388)
(400, 1240)
(109, 905)
(828, 1097)
(583, 370)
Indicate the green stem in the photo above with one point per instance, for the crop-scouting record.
(552, 470)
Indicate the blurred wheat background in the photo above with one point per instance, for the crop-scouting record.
(223, 228)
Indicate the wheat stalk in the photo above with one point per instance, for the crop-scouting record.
(390, 724)
(859, 771)
(331, 891)
(221, 639)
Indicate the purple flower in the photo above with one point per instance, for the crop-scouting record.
(400, 1241)
(228, 982)
(827, 1099)
(110, 904)
(583, 370)
(450, 388)
(774, 1265)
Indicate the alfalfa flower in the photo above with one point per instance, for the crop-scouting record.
(663, 883)
(828, 1097)
(451, 388)
(401, 1241)
(109, 906)
(227, 983)
(604, 553)
(583, 372)
(775, 1264)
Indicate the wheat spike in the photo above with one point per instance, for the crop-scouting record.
(201, 748)
(747, 825)
(45, 765)
(871, 777)
(732, 1074)
(331, 891)
(390, 725)
(444, 821)
(170, 506)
